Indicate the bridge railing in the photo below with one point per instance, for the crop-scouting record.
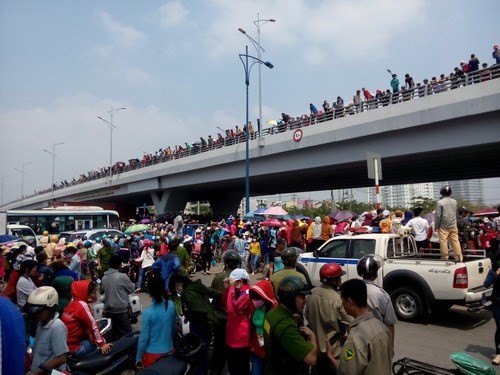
(433, 87)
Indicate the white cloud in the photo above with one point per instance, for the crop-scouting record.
(172, 14)
(328, 29)
(137, 75)
(122, 35)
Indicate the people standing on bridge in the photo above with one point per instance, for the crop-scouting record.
(395, 88)
(313, 109)
(379, 300)
(496, 54)
(446, 224)
(326, 315)
(368, 348)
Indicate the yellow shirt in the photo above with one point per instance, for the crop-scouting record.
(255, 248)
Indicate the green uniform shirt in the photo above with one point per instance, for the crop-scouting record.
(183, 258)
(285, 346)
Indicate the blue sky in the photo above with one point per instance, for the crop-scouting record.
(174, 65)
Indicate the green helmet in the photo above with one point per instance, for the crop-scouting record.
(289, 256)
(288, 289)
(231, 259)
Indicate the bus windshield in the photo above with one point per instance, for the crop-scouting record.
(56, 221)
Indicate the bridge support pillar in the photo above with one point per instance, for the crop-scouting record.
(225, 204)
(169, 201)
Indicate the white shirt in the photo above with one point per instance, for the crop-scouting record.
(23, 289)
(419, 227)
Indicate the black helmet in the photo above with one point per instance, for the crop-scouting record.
(462, 210)
(368, 266)
(288, 288)
(289, 256)
(231, 259)
(445, 191)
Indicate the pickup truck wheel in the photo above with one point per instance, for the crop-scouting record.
(407, 303)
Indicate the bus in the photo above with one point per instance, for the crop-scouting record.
(65, 219)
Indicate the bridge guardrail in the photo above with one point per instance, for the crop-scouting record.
(433, 87)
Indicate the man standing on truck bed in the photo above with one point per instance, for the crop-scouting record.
(446, 224)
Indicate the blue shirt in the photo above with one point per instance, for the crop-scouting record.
(157, 329)
(169, 264)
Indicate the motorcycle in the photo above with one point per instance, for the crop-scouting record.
(181, 362)
(465, 364)
(120, 358)
(134, 308)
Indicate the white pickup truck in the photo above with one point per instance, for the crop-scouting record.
(418, 283)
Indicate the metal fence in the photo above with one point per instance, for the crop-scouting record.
(433, 87)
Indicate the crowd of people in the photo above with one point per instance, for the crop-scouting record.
(281, 324)
(468, 72)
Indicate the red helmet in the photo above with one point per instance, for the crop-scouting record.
(330, 271)
(147, 243)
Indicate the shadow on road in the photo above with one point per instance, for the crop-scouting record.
(458, 317)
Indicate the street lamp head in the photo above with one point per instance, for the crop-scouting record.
(242, 31)
(272, 20)
(268, 64)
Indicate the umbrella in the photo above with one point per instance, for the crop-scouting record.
(145, 221)
(260, 210)
(136, 228)
(342, 215)
(272, 223)
(272, 122)
(6, 238)
(488, 211)
(275, 211)
(253, 216)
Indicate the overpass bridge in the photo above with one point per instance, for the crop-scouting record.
(452, 135)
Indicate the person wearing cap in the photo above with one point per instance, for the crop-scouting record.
(386, 222)
(239, 307)
(290, 346)
(326, 315)
(45, 239)
(367, 349)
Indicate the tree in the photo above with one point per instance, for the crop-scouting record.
(427, 204)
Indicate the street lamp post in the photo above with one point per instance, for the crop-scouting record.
(111, 127)
(3, 178)
(258, 23)
(53, 155)
(247, 68)
(22, 176)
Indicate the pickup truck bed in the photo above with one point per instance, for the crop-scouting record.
(418, 283)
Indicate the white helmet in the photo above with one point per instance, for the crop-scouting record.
(41, 298)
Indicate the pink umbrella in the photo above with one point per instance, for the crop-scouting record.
(488, 211)
(275, 211)
(271, 223)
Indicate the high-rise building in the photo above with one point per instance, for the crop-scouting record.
(399, 196)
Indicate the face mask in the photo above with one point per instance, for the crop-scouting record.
(258, 303)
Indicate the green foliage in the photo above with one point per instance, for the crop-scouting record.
(427, 204)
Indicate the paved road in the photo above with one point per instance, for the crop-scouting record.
(432, 341)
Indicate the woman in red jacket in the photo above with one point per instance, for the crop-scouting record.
(239, 311)
(83, 333)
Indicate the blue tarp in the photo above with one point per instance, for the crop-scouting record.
(6, 238)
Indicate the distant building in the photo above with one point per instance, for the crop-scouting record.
(399, 196)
